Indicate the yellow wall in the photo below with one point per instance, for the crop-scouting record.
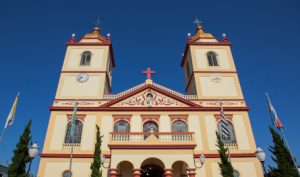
(87, 138)
(224, 88)
(222, 57)
(96, 58)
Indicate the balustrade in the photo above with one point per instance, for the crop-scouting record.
(68, 146)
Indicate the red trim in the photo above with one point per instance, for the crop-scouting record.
(139, 174)
(231, 155)
(153, 88)
(227, 116)
(122, 146)
(178, 117)
(168, 169)
(168, 174)
(95, 44)
(136, 169)
(191, 169)
(149, 133)
(219, 99)
(113, 173)
(200, 43)
(52, 108)
(113, 169)
(78, 116)
(206, 38)
(83, 72)
(122, 117)
(68, 155)
(191, 173)
(150, 117)
(215, 71)
(79, 99)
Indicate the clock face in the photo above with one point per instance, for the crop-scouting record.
(82, 77)
(215, 77)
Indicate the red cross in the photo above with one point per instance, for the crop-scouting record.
(148, 72)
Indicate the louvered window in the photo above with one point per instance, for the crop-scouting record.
(188, 69)
(85, 58)
(231, 139)
(77, 133)
(179, 126)
(122, 126)
(212, 59)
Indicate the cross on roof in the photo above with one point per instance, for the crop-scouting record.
(197, 21)
(98, 22)
(148, 72)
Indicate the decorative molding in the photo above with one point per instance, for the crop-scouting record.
(191, 169)
(231, 155)
(122, 117)
(78, 116)
(113, 169)
(149, 133)
(122, 146)
(227, 116)
(68, 155)
(168, 169)
(150, 117)
(83, 72)
(178, 117)
(52, 108)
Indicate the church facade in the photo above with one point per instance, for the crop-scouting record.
(148, 130)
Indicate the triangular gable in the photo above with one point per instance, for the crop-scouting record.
(161, 98)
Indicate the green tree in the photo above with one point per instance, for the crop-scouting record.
(225, 166)
(283, 159)
(21, 157)
(95, 166)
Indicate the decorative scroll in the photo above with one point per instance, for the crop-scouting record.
(122, 117)
(150, 117)
(228, 117)
(78, 116)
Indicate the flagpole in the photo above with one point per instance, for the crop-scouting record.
(71, 155)
(290, 151)
(227, 137)
(2, 134)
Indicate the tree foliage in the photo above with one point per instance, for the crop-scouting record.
(283, 159)
(225, 166)
(95, 166)
(21, 156)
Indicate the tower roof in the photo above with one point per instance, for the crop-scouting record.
(95, 35)
(200, 33)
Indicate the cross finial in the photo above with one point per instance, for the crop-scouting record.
(197, 21)
(98, 22)
(148, 72)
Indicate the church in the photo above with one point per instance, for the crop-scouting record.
(148, 130)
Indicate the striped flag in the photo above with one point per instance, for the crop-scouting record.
(225, 130)
(11, 116)
(274, 117)
(73, 119)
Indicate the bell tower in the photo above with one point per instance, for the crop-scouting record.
(209, 68)
(87, 68)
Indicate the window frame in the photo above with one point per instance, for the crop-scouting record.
(187, 127)
(68, 139)
(67, 174)
(232, 139)
(81, 58)
(210, 53)
(117, 122)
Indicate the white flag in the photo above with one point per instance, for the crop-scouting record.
(11, 115)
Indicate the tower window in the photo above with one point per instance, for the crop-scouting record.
(188, 69)
(236, 173)
(85, 58)
(212, 59)
(231, 139)
(66, 174)
(122, 126)
(77, 132)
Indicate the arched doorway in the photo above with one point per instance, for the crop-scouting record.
(152, 167)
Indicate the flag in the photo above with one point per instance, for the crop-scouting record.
(11, 115)
(274, 117)
(225, 130)
(73, 119)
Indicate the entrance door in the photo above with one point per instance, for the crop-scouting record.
(152, 170)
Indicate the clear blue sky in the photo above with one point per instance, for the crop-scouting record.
(265, 36)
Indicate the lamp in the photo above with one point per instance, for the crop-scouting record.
(202, 160)
(108, 34)
(189, 34)
(73, 35)
(261, 155)
(102, 159)
(33, 151)
(224, 35)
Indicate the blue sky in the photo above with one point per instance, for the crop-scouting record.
(265, 36)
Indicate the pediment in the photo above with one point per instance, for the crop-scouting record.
(158, 99)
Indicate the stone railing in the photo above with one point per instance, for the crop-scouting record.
(232, 146)
(188, 97)
(162, 136)
(68, 146)
(115, 96)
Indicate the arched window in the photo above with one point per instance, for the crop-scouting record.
(122, 126)
(188, 69)
(66, 174)
(231, 139)
(179, 126)
(77, 132)
(236, 173)
(85, 58)
(212, 59)
(148, 126)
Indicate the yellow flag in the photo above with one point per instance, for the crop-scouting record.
(10, 118)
